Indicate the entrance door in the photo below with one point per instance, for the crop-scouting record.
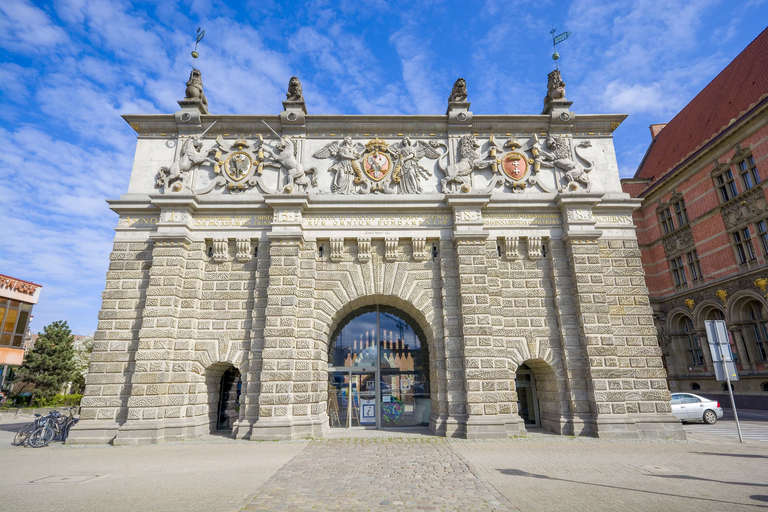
(527, 401)
(377, 371)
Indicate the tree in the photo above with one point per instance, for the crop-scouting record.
(50, 364)
(82, 358)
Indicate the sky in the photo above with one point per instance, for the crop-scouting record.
(70, 68)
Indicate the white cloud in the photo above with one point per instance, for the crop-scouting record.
(26, 29)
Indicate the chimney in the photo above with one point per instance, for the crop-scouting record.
(656, 129)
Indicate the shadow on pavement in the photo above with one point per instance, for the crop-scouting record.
(745, 455)
(518, 472)
(12, 427)
(688, 477)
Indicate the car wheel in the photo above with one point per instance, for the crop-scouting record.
(710, 417)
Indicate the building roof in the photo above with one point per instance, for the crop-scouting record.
(740, 86)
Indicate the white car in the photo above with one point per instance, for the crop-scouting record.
(690, 407)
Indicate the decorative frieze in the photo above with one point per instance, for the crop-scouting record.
(678, 241)
(337, 248)
(364, 249)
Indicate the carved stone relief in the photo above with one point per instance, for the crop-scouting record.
(744, 208)
(420, 252)
(243, 249)
(678, 241)
(458, 176)
(364, 249)
(237, 167)
(390, 245)
(337, 249)
(299, 178)
(511, 248)
(559, 157)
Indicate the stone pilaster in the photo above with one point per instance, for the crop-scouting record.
(489, 399)
(451, 419)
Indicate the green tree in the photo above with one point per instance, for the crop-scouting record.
(50, 364)
(82, 358)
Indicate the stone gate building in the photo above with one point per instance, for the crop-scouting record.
(280, 276)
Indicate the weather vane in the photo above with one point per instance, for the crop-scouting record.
(195, 55)
(555, 41)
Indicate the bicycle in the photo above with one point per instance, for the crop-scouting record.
(24, 432)
(54, 425)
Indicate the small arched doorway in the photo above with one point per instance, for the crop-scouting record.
(378, 371)
(229, 386)
(527, 399)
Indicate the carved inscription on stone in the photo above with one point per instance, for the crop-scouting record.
(384, 220)
(522, 219)
(613, 219)
(217, 221)
(139, 221)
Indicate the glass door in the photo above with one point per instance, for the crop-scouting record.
(378, 375)
(352, 398)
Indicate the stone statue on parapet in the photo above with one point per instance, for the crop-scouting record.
(459, 92)
(555, 87)
(194, 94)
(294, 90)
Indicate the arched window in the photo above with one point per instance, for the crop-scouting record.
(378, 370)
(685, 337)
(759, 328)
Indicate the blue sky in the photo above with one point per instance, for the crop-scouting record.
(70, 68)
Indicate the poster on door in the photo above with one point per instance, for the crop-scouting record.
(367, 412)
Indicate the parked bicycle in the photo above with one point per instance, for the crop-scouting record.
(45, 429)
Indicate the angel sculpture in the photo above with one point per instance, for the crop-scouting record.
(407, 169)
(348, 172)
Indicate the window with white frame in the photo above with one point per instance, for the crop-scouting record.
(694, 268)
(749, 174)
(759, 329)
(665, 220)
(744, 248)
(762, 234)
(681, 214)
(725, 185)
(678, 272)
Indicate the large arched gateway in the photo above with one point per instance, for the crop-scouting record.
(378, 371)
(283, 275)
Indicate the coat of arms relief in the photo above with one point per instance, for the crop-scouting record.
(402, 167)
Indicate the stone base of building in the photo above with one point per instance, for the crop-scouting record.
(93, 432)
(446, 425)
(286, 428)
(639, 426)
(494, 427)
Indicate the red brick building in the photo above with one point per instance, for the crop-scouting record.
(703, 228)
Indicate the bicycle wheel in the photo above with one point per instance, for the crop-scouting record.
(23, 434)
(41, 437)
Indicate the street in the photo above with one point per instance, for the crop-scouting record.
(383, 471)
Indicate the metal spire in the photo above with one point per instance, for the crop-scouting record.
(555, 41)
(198, 38)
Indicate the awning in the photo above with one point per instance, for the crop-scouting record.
(12, 356)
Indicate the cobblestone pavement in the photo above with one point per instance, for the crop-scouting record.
(378, 474)
(383, 472)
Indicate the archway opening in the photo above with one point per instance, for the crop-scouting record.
(538, 395)
(378, 371)
(224, 386)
